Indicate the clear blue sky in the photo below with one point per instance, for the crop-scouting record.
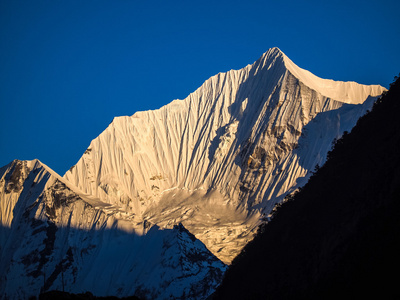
(67, 68)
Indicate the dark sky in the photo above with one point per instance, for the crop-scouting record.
(67, 68)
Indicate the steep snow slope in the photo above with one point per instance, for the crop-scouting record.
(348, 92)
(223, 157)
(52, 235)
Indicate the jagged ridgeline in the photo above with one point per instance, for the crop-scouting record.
(162, 200)
(339, 237)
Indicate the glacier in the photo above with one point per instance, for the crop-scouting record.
(162, 201)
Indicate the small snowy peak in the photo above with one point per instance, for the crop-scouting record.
(53, 237)
(27, 183)
(12, 181)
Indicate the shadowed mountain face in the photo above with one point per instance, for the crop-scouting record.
(339, 237)
(54, 237)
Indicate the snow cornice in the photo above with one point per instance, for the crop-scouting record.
(344, 91)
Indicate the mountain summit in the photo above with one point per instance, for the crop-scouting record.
(162, 200)
(219, 159)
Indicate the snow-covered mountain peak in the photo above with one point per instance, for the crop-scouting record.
(22, 182)
(347, 92)
(220, 158)
(157, 191)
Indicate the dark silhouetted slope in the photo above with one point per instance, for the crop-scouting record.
(339, 236)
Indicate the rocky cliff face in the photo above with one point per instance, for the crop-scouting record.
(222, 158)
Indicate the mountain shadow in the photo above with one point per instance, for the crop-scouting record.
(53, 237)
(58, 295)
(339, 236)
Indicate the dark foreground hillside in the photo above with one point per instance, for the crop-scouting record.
(58, 295)
(340, 236)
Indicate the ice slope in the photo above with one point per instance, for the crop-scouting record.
(53, 236)
(220, 159)
(347, 92)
